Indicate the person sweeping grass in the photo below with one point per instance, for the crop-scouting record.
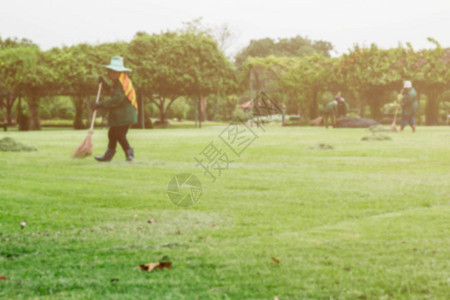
(121, 107)
(409, 105)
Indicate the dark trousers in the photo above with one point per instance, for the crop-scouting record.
(118, 134)
(325, 117)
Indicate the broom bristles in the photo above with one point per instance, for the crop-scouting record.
(86, 148)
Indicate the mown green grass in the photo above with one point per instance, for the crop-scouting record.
(366, 220)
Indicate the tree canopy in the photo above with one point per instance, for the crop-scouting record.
(172, 64)
(284, 47)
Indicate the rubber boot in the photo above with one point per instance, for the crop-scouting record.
(129, 154)
(109, 154)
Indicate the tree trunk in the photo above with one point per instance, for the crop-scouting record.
(432, 109)
(199, 104)
(375, 108)
(362, 107)
(9, 105)
(78, 121)
(162, 114)
(196, 111)
(33, 108)
(9, 114)
(22, 120)
(162, 110)
(141, 111)
(203, 104)
(216, 109)
(314, 108)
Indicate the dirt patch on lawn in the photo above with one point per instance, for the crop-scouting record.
(377, 137)
(322, 146)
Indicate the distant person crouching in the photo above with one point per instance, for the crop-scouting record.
(341, 106)
(330, 111)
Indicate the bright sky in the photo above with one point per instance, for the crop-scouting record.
(52, 23)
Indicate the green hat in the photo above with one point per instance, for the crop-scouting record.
(117, 64)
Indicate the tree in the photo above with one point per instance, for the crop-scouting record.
(15, 42)
(32, 77)
(299, 80)
(8, 86)
(154, 77)
(224, 36)
(430, 73)
(369, 73)
(264, 74)
(307, 78)
(295, 48)
(429, 70)
(225, 83)
(286, 47)
(9, 65)
(174, 64)
(75, 76)
(36, 80)
(78, 68)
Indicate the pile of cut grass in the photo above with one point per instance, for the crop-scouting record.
(8, 144)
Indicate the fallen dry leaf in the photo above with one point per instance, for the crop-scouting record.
(152, 266)
(275, 260)
(163, 265)
(3, 277)
(213, 225)
(149, 267)
(179, 232)
(151, 221)
(276, 298)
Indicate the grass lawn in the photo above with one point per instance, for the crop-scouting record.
(365, 220)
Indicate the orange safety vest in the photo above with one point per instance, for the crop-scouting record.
(128, 89)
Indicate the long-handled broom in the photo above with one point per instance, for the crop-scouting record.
(394, 123)
(86, 148)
